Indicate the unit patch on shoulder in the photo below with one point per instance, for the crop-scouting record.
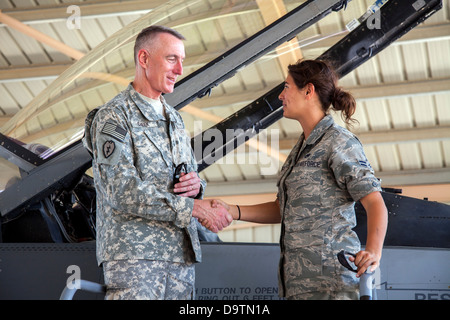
(108, 148)
(115, 131)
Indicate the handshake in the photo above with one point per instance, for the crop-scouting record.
(212, 214)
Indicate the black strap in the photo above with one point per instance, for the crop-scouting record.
(343, 259)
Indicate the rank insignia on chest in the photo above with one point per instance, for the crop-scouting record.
(108, 148)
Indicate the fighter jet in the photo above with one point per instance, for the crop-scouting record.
(47, 196)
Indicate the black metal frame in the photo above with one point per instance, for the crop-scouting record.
(397, 18)
(201, 82)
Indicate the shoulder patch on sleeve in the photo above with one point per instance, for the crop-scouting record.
(108, 148)
(109, 151)
(115, 131)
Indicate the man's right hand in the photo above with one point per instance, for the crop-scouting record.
(215, 219)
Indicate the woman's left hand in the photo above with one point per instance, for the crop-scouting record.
(365, 259)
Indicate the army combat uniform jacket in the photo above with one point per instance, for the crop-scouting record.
(317, 189)
(135, 152)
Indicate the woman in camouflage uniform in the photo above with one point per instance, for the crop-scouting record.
(322, 178)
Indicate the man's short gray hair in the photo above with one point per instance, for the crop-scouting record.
(147, 35)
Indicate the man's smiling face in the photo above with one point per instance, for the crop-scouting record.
(164, 64)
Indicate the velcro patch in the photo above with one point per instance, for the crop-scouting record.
(108, 148)
(365, 164)
(115, 131)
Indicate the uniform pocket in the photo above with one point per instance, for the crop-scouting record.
(305, 262)
(304, 187)
(152, 157)
(158, 146)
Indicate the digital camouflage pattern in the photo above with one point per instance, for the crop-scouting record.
(317, 189)
(148, 280)
(138, 215)
(329, 295)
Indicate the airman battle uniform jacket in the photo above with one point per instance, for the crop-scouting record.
(317, 189)
(135, 153)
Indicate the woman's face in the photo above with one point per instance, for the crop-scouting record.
(292, 98)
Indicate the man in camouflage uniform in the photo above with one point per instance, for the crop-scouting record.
(147, 240)
(318, 184)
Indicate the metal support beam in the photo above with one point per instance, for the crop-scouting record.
(360, 93)
(391, 136)
(39, 36)
(272, 10)
(403, 178)
(55, 12)
(422, 33)
(18, 155)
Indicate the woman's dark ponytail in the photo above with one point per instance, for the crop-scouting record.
(344, 101)
(322, 75)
